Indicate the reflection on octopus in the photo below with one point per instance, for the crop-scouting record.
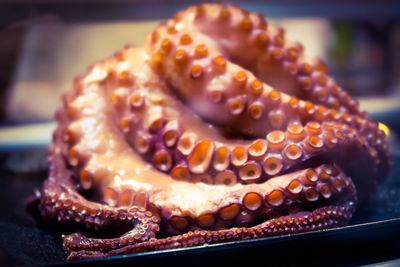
(218, 129)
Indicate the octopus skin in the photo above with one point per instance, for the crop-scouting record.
(218, 129)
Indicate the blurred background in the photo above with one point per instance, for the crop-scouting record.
(45, 43)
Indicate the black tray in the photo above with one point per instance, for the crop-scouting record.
(373, 234)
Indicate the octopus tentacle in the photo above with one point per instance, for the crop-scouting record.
(62, 202)
(221, 91)
(72, 210)
(205, 129)
(321, 218)
(261, 61)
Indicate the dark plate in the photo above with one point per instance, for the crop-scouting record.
(373, 234)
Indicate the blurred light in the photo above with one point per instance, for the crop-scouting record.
(384, 128)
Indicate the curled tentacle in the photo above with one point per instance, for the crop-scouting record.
(61, 202)
(322, 218)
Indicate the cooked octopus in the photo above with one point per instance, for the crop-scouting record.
(217, 129)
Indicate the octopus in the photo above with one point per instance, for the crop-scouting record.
(217, 129)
